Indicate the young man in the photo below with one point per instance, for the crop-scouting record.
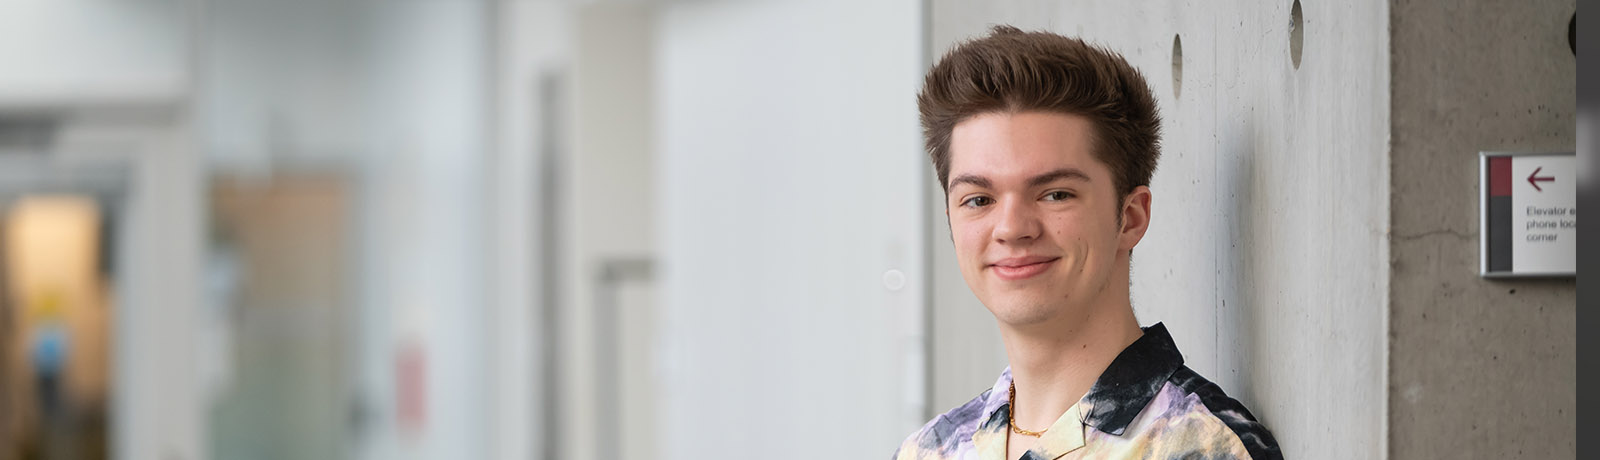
(1045, 147)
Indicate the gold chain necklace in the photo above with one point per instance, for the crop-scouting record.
(1011, 415)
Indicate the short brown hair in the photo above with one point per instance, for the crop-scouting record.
(1014, 71)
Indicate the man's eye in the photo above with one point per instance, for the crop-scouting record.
(1057, 195)
(976, 201)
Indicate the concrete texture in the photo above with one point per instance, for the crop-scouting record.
(1267, 255)
(1478, 368)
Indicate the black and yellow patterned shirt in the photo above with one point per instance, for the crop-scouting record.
(1146, 405)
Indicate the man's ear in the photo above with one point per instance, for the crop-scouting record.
(1135, 217)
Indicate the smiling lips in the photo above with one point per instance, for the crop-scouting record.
(1020, 268)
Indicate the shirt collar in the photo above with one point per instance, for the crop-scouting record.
(1122, 391)
(1131, 381)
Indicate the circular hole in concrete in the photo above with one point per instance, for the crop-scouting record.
(1177, 66)
(1572, 34)
(1296, 33)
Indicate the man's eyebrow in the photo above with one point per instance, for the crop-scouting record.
(1059, 174)
(979, 181)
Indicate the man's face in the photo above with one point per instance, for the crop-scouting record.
(1034, 216)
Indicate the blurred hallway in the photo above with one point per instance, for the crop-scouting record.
(680, 229)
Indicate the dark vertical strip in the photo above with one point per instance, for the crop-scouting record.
(608, 353)
(1499, 233)
(1499, 209)
(106, 254)
(8, 432)
(928, 240)
(607, 363)
(1588, 297)
(550, 216)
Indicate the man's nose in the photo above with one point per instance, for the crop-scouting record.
(1018, 222)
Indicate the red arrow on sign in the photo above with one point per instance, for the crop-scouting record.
(1534, 179)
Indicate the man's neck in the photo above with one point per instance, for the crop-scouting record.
(1053, 366)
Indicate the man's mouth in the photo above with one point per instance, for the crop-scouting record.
(1020, 268)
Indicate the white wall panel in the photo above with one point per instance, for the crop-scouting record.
(791, 175)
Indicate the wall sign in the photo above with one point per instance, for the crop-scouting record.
(1528, 210)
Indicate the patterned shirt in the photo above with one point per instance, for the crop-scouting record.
(1146, 404)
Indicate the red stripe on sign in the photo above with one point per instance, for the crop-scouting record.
(1500, 176)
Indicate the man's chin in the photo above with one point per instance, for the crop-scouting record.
(1023, 312)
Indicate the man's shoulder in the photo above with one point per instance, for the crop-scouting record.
(1251, 435)
(945, 434)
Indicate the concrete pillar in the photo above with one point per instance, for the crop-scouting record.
(1478, 368)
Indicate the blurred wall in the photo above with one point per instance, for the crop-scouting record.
(430, 272)
(790, 218)
(532, 58)
(605, 221)
(1267, 255)
(60, 53)
(279, 324)
(395, 99)
(109, 77)
(1478, 368)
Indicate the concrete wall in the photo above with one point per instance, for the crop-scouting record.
(1478, 368)
(1267, 251)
